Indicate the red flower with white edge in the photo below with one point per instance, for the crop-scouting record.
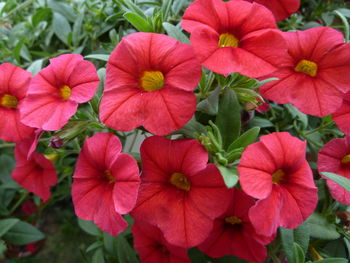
(106, 182)
(153, 248)
(55, 92)
(36, 174)
(281, 9)
(342, 116)
(281, 178)
(234, 36)
(180, 193)
(315, 76)
(334, 157)
(234, 234)
(149, 82)
(14, 83)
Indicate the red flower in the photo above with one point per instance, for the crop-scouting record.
(342, 116)
(36, 174)
(281, 178)
(149, 81)
(54, 93)
(315, 75)
(29, 207)
(180, 193)
(14, 83)
(334, 157)
(105, 184)
(281, 9)
(234, 36)
(153, 248)
(233, 233)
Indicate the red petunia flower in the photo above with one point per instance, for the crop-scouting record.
(281, 178)
(180, 193)
(153, 248)
(234, 36)
(315, 76)
(149, 82)
(36, 174)
(233, 233)
(281, 9)
(14, 83)
(334, 157)
(55, 92)
(105, 184)
(342, 116)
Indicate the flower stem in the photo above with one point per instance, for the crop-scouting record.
(345, 23)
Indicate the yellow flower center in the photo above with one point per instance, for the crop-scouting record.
(346, 159)
(227, 40)
(277, 176)
(307, 67)
(108, 176)
(152, 80)
(9, 101)
(180, 181)
(65, 92)
(233, 220)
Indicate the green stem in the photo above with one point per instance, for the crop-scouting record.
(346, 25)
(24, 4)
(319, 128)
(19, 202)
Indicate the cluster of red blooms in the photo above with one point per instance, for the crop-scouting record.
(181, 201)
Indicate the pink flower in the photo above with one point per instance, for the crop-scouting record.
(149, 82)
(55, 92)
(36, 174)
(106, 183)
(281, 179)
(14, 83)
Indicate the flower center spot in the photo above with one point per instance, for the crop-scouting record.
(107, 175)
(306, 66)
(180, 181)
(277, 176)
(152, 80)
(227, 40)
(345, 159)
(233, 220)
(65, 92)
(9, 101)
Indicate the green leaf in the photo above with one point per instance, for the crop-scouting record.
(76, 34)
(175, 32)
(22, 233)
(103, 57)
(260, 122)
(230, 175)
(191, 128)
(321, 228)
(41, 15)
(36, 66)
(7, 165)
(297, 114)
(287, 239)
(125, 252)
(61, 27)
(332, 260)
(298, 253)
(341, 180)
(138, 22)
(229, 117)
(89, 227)
(210, 105)
(245, 139)
(3, 248)
(98, 257)
(7, 224)
(97, 244)
(302, 236)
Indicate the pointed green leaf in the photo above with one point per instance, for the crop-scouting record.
(245, 139)
(138, 22)
(175, 32)
(229, 117)
(321, 228)
(230, 175)
(7, 224)
(287, 239)
(210, 105)
(22, 233)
